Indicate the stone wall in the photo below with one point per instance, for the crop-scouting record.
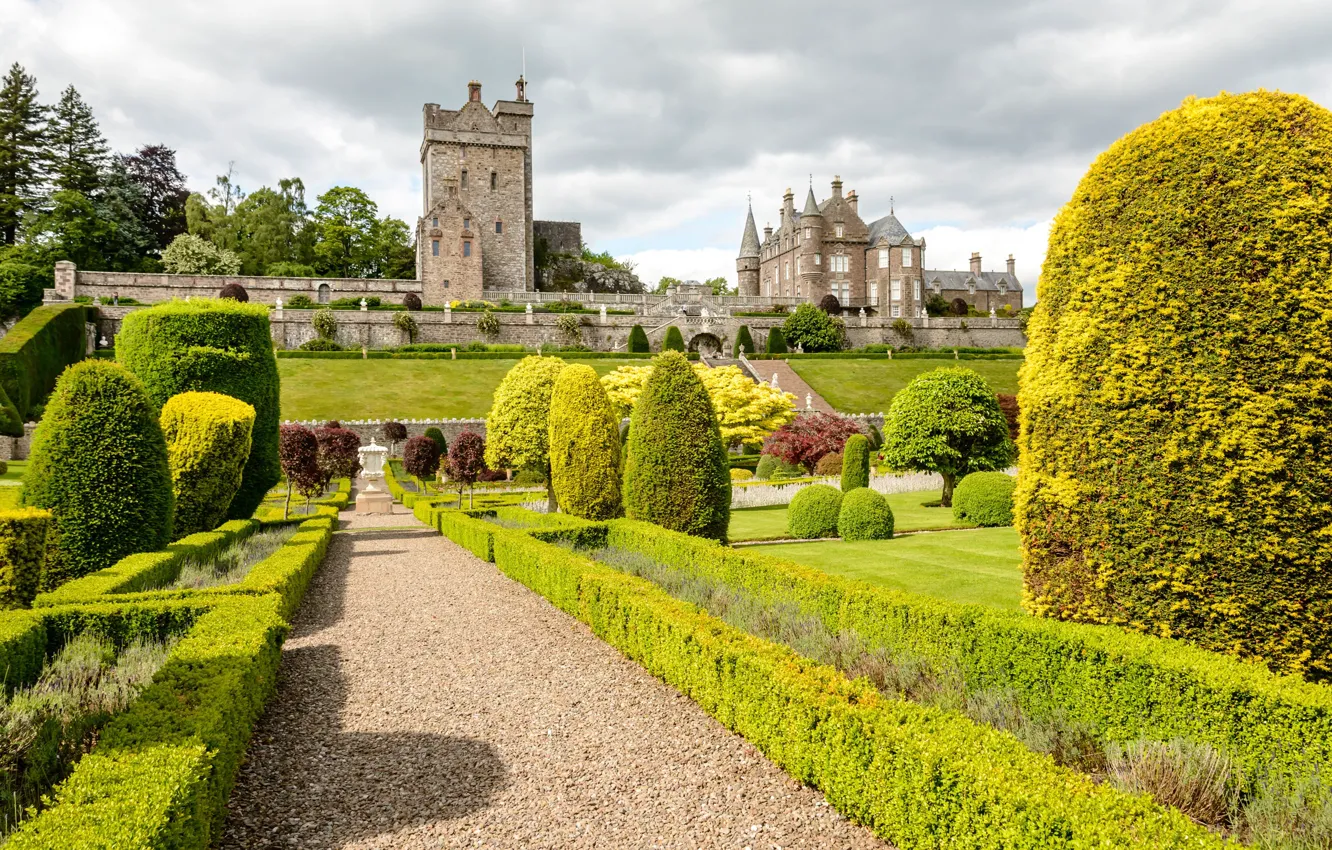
(368, 429)
(17, 448)
(151, 288)
(562, 237)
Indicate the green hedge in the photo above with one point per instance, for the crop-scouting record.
(37, 350)
(22, 554)
(918, 776)
(208, 441)
(985, 499)
(904, 355)
(1122, 685)
(463, 355)
(162, 770)
(855, 463)
(220, 346)
(865, 515)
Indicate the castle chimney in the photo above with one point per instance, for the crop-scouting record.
(473, 92)
(837, 186)
(975, 262)
(767, 232)
(522, 89)
(853, 201)
(1012, 266)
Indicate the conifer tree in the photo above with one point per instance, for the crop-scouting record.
(76, 150)
(22, 135)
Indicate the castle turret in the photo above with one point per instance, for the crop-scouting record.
(747, 264)
(812, 278)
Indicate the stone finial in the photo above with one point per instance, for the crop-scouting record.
(742, 351)
(364, 305)
(277, 304)
(529, 318)
(809, 401)
(448, 313)
(603, 314)
(992, 312)
(774, 382)
(97, 301)
(529, 307)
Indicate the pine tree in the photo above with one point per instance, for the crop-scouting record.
(22, 136)
(76, 150)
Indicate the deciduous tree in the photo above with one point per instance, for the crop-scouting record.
(805, 440)
(298, 451)
(467, 460)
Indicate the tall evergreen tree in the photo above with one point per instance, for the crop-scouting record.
(22, 136)
(76, 150)
(162, 187)
(118, 202)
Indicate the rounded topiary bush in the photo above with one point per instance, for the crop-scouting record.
(985, 498)
(638, 340)
(1174, 403)
(673, 341)
(584, 446)
(676, 473)
(865, 515)
(234, 292)
(855, 463)
(829, 464)
(814, 511)
(411, 301)
(208, 441)
(216, 346)
(741, 474)
(99, 465)
(771, 466)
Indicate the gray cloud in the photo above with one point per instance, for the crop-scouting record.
(654, 119)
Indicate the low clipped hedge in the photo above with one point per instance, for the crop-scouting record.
(22, 554)
(162, 770)
(918, 776)
(985, 498)
(1123, 685)
(36, 350)
(462, 355)
(865, 515)
(771, 466)
(813, 512)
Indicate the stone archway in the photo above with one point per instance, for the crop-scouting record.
(706, 343)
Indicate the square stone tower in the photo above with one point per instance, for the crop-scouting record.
(475, 230)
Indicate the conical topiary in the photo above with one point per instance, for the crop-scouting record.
(1174, 442)
(855, 463)
(776, 341)
(638, 340)
(743, 340)
(673, 341)
(676, 472)
(99, 465)
(584, 446)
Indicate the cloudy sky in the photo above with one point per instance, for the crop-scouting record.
(656, 119)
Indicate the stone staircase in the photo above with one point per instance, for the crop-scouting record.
(807, 398)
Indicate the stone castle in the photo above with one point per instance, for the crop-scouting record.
(828, 249)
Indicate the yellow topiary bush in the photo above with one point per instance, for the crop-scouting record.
(208, 443)
(584, 446)
(22, 554)
(1177, 388)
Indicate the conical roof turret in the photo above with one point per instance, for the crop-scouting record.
(749, 244)
(811, 205)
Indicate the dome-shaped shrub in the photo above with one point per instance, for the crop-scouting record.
(985, 498)
(741, 474)
(829, 464)
(676, 473)
(218, 346)
(411, 301)
(438, 436)
(814, 511)
(584, 446)
(1175, 461)
(234, 292)
(855, 463)
(208, 441)
(865, 515)
(771, 466)
(99, 465)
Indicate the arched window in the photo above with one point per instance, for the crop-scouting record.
(325, 293)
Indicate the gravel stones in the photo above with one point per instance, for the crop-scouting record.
(426, 700)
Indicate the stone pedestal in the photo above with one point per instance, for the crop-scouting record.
(374, 502)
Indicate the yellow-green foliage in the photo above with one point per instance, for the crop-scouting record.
(1176, 394)
(208, 442)
(517, 427)
(584, 446)
(22, 552)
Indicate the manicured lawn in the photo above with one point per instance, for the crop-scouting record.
(868, 386)
(908, 515)
(9, 492)
(403, 389)
(980, 566)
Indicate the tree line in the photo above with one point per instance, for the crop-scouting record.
(65, 195)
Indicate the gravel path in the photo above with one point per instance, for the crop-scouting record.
(426, 700)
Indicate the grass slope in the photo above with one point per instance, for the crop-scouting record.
(980, 566)
(868, 386)
(403, 389)
(769, 522)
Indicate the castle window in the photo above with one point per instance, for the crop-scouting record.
(906, 257)
(788, 269)
(434, 222)
(818, 259)
(883, 258)
(467, 224)
(838, 229)
(467, 248)
(446, 284)
(462, 153)
(807, 233)
(434, 247)
(464, 178)
(494, 181)
(499, 226)
(798, 265)
(873, 294)
(897, 311)
(841, 263)
(917, 290)
(895, 289)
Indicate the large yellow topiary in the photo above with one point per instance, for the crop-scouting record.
(208, 439)
(1175, 464)
(584, 446)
